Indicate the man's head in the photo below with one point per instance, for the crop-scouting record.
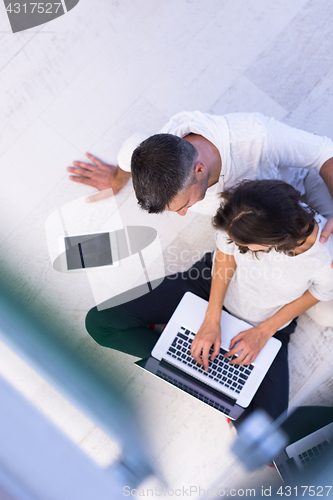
(167, 175)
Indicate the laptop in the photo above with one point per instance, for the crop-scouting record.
(227, 388)
(301, 455)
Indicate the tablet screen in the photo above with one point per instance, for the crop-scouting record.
(89, 250)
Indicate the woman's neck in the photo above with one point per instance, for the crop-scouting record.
(308, 243)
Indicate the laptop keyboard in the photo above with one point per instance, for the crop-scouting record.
(310, 455)
(220, 370)
(193, 392)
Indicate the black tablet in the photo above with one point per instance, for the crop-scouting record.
(90, 250)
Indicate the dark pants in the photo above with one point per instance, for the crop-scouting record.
(125, 328)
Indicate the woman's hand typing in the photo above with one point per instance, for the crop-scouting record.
(209, 334)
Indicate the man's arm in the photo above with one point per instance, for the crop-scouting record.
(210, 331)
(250, 342)
(326, 173)
(99, 175)
(292, 147)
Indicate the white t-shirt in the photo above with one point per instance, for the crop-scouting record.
(251, 145)
(261, 286)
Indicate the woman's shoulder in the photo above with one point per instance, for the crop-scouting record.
(224, 243)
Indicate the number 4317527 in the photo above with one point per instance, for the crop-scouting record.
(311, 491)
(30, 7)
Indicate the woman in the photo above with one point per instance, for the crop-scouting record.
(273, 270)
(269, 267)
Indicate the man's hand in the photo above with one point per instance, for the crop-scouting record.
(99, 175)
(208, 334)
(326, 232)
(249, 344)
(326, 172)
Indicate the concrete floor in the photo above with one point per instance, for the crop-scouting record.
(85, 82)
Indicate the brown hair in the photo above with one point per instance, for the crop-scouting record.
(265, 212)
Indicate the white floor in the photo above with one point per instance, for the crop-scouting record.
(86, 81)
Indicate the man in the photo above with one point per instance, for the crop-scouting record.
(196, 156)
(223, 150)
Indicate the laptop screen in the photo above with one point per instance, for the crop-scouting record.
(192, 386)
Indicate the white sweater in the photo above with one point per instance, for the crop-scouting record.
(251, 145)
(261, 286)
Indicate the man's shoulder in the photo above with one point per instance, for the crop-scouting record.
(240, 124)
(192, 116)
(188, 117)
(247, 123)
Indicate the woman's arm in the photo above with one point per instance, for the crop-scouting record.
(210, 331)
(250, 342)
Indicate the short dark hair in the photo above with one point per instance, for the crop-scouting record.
(266, 212)
(162, 166)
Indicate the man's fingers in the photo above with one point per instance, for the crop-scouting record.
(82, 164)
(81, 179)
(324, 236)
(79, 171)
(95, 160)
(327, 231)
